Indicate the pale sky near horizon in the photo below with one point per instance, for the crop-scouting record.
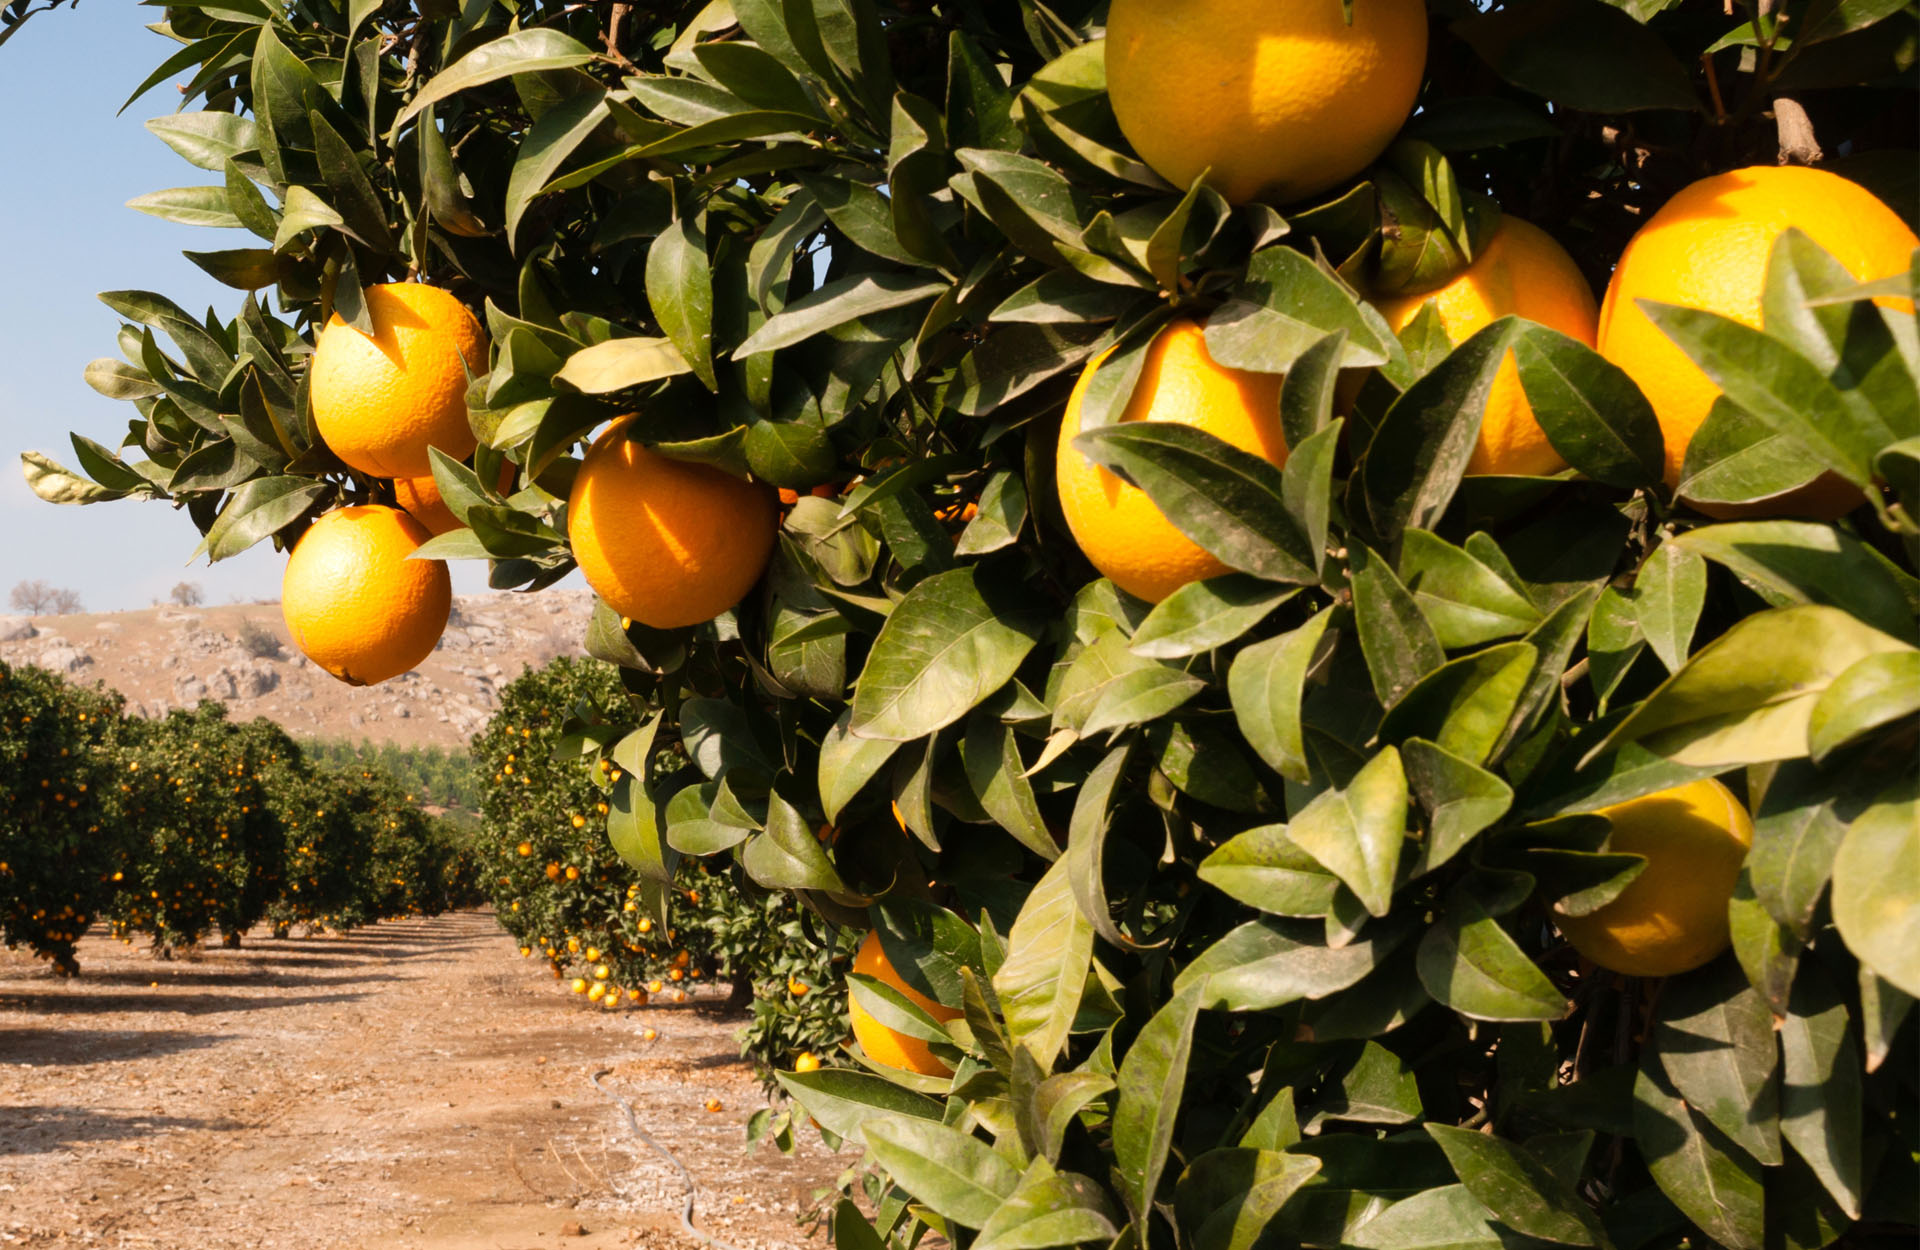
(68, 166)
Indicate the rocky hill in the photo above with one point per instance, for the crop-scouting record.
(239, 654)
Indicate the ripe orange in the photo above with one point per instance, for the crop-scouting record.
(1673, 917)
(1520, 271)
(1707, 248)
(882, 1044)
(420, 496)
(666, 542)
(806, 1061)
(713, 1104)
(355, 604)
(1279, 99)
(1117, 526)
(380, 402)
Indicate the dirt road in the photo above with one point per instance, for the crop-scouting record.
(412, 1086)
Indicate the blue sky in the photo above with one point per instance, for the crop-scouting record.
(67, 168)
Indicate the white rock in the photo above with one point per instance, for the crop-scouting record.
(14, 628)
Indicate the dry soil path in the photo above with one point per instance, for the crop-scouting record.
(411, 1086)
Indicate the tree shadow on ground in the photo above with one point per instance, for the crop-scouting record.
(182, 1004)
(43, 1048)
(264, 978)
(42, 1129)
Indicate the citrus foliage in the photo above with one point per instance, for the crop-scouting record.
(174, 827)
(564, 893)
(1246, 898)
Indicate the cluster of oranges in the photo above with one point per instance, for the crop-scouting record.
(1283, 101)
(665, 542)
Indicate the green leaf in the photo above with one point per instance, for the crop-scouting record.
(1050, 1208)
(1416, 458)
(1733, 458)
(188, 206)
(1669, 592)
(1268, 963)
(548, 145)
(1288, 306)
(261, 508)
(1746, 697)
(1228, 501)
(1001, 516)
(620, 363)
(633, 826)
(836, 304)
(1356, 832)
(1876, 887)
(946, 646)
(997, 775)
(787, 856)
(527, 51)
(1518, 1187)
(56, 484)
(1151, 1084)
(1049, 950)
(1227, 1198)
(1469, 962)
(756, 76)
(1265, 685)
(1714, 1036)
(1465, 602)
(1264, 868)
(1399, 644)
(843, 1100)
(1058, 1102)
(1820, 1095)
(1447, 1218)
(302, 211)
(1777, 386)
(1591, 411)
(1466, 705)
(1461, 799)
(1789, 562)
(1715, 1183)
(1796, 833)
(206, 140)
(1377, 1088)
(1308, 392)
(1876, 691)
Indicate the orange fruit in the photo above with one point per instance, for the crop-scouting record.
(355, 604)
(1280, 99)
(666, 542)
(420, 496)
(1673, 916)
(806, 1061)
(380, 402)
(1707, 248)
(882, 1044)
(1521, 271)
(1118, 527)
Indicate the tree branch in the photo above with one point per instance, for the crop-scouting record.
(1798, 145)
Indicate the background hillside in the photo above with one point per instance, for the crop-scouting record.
(239, 654)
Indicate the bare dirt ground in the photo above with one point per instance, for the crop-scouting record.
(411, 1086)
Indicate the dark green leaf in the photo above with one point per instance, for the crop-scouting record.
(1820, 1094)
(1876, 691)
(1518, 1187)
(1715, 1040)
(948, 645)
(1713, 1181)
(1789, 562)
(1469, 962)
(1356, 832)
(1876, 892)
(527, 51)
(1265, 684)
(1399, 644)
(1591, 411)
(1151, 1084)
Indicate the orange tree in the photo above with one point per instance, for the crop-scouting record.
(59, 850)
(559, 887)
(1258, 682)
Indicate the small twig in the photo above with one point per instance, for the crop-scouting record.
(1798, 145)
(1713, 89)
(562, 1164)
(611, 37)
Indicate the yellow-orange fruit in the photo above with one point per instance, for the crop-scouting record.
(380, 402)
(666, 542)
(882, 1044)
(355, 604)
(1280, 99)
(1673, 916)
(1707, 248)
(1524, 272)
(1118, 527)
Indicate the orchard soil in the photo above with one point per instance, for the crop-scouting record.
(415, 1085)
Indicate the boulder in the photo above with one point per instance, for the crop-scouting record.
(61, 656)
(15, 628)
